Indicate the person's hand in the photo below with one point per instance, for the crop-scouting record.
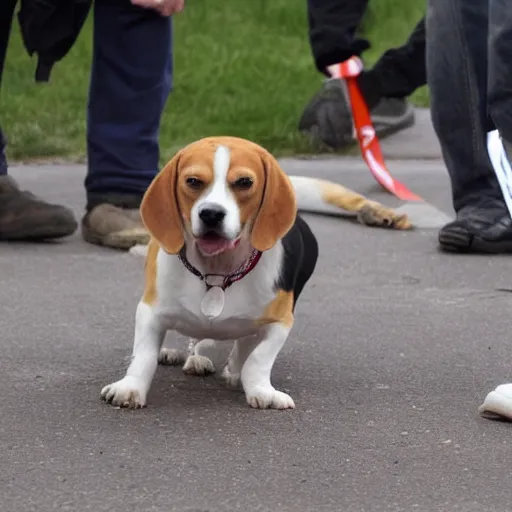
(164, 7)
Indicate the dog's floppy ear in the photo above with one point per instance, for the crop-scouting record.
(160, 211)
(278, 208)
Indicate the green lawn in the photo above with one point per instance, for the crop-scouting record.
(241, 68)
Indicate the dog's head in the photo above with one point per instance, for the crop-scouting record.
(216, 192)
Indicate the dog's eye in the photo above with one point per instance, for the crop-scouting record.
(194, 182)
(243, 183)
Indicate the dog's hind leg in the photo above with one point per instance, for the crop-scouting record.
(171, 357)
(196, 363)
(322, 196)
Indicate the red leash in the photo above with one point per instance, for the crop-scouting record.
(368, 140)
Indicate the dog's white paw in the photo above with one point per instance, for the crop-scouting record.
(269, 398)
(198, 365)
(171, 356)
(232, 380)
(127, 392)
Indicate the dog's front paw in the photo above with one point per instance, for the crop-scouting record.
(376, 214)
(171, 357)
(269, 398)
(198, 365)
(127, 392)
(232, 380)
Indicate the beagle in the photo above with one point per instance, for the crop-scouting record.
(228, 259)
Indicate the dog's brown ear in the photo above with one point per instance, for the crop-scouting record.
(278, 208)
(160, 210)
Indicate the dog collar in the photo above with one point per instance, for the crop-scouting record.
(228, 280)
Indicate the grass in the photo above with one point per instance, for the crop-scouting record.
(241, 68)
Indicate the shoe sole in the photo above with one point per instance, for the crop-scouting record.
(122, 240)
(455, 241)
(40, 233)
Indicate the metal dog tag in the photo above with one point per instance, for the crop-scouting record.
(213, 302)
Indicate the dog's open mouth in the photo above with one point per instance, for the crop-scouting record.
(212, 243)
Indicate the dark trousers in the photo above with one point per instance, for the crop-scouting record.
(131, 78)
(332, 36)
(6, 14)
(469, 63)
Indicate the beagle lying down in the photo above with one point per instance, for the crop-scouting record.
(228, 259)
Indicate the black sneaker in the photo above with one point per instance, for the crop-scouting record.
(327, 119)
(485, 227)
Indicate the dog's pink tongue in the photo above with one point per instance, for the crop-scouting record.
(214, 244)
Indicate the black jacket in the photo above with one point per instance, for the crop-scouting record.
(333, 27)
(49, 28)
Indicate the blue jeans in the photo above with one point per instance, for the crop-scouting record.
(131, 78)
(469, 69)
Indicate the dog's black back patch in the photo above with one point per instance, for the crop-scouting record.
(300, 257)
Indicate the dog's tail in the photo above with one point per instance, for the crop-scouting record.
(322, 196)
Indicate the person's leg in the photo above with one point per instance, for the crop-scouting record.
(130, 81)
(22, 215)
(457, 32)
(498, 403)
(457, 77)
(3, 157)
(6, 15)
(500, 68)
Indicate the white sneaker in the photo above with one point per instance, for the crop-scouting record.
(498, 403)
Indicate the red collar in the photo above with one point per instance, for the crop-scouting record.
(228, 280)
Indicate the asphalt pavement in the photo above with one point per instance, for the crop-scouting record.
(395, 346)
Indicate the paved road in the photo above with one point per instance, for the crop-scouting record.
(394, 348)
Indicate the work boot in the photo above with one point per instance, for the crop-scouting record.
(114, 226)
(25, 217)
(327, 119)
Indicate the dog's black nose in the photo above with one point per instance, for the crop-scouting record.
(212, 217)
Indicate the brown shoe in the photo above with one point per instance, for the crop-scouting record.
(24, 217)
(114, 227)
